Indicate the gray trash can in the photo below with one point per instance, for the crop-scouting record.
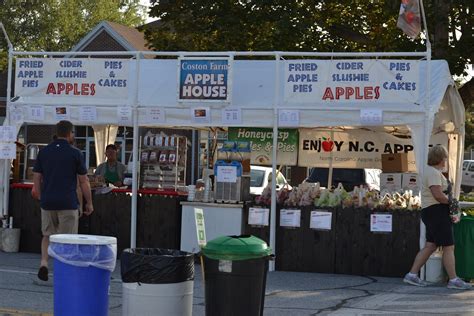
(157, 282)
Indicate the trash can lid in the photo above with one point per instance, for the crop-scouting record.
(83, 239)
(236, 248)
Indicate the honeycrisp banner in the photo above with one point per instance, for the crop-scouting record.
(261, 140)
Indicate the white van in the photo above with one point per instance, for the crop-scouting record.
(467, 180)
(259, 177)
(349, 178)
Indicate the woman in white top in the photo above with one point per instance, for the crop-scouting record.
(435, 216)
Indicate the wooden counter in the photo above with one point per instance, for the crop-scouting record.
(158, 218)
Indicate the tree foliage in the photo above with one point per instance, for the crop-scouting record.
(304, 25)
(57, 25)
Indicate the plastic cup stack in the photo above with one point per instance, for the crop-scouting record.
(191, 192)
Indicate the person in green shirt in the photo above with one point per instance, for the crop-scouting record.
(112, 170)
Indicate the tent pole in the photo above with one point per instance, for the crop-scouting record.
(330, 171)
(274, 161)
(193, 158)
(428, 126)
(133, 218)
(6, 171)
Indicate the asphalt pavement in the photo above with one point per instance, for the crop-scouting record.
(287, 293)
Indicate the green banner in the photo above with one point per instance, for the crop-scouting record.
(261, 140)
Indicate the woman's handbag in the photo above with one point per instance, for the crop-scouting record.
(454, 208)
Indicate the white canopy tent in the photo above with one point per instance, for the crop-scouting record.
(259, 89)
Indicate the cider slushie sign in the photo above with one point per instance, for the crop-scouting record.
(204, 79)
(357, 82)
(78, 78)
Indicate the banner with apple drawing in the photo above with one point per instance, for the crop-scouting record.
(354, 148)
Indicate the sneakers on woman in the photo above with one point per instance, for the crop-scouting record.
(413, 279)
(458, 284)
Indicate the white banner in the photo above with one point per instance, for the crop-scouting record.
(350, 149)
(78, 78)
(354, 148)
(359, 82)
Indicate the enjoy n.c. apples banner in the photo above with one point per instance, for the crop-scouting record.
(355, 148)
(350, 149)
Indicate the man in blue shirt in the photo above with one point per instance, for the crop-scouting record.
(58, 168)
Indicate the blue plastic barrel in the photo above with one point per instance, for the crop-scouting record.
(82, 267)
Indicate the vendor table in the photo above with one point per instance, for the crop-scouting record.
(158, 218)
(464, 249)
(349, 247)
(219, 219)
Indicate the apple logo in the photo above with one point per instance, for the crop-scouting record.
(327, 144)
(410, 17)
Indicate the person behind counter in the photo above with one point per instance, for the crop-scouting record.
(112, 170)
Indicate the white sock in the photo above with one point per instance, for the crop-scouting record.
(452, 280)
(412, 274)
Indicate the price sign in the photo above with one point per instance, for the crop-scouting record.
(231, 116)
(288, 117)
(200, 227)
(8, 151)
(124, 115)
(36, 113)
(371, 117)
(290, 218)
(381, 223)
(227, 174)
(155, 115)
(88, 113)
(7, 133)
(258, 216)
(321, 220)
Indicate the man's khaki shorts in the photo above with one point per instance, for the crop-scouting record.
(59, 222)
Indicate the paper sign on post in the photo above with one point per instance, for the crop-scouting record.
(16, 114)
(36, 113)
(290, 218)
(371, 117)
(231, 116)
(124, 115)
(88, 113)
(8, 151)
(61, 113)
(155, 115)
(200, 227)
(321, 220)
(381, 223)
(227, 174)
(7, 134)
(288, 118)
(258, 216)
(201, 115)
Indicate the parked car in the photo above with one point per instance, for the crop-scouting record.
(261, 176)
(467, 180)
(349, 178)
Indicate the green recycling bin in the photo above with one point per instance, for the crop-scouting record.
(463, 251)
(235, 270)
